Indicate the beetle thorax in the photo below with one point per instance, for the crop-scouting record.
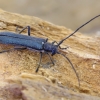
(50, 48)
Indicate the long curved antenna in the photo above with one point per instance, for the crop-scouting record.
(71, 66)
(77, 30)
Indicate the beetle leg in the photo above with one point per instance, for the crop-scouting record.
(39, 62)
(27, 27)
(17, 29)
(13, 49)
(50, 58)
(57, 44)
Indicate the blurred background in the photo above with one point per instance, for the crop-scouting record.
(68, 13)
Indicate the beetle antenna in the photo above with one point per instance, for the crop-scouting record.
(77, 30)
(71, 66)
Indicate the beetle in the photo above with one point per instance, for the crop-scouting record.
(39, 44)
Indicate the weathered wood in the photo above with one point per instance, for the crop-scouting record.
(83, 51)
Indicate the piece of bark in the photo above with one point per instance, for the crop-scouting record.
(83, 51)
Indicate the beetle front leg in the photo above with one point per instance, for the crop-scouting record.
(50, 58)
(57, 44)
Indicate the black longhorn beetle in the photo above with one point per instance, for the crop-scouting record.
(39, 44)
